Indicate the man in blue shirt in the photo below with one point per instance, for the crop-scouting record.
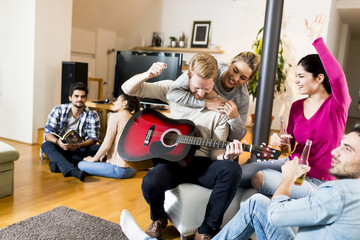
(65, 156)
(332, 212)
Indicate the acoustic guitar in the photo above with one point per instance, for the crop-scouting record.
(149, 134)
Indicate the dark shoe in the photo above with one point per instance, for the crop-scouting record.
(54, 167)
(156, 227)
(204, 236)
(78, 174)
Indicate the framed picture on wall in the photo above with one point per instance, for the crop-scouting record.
(200, 34)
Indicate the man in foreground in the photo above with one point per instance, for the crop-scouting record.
(332, 212)
(64, 156)
(207, 167)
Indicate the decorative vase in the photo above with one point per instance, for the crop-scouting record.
(181, 44)
(173, 43)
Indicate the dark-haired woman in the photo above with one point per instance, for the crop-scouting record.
(320, 117)
(115, 166)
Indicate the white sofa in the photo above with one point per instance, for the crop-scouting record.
(185, 206)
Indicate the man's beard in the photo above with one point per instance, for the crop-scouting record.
(77, 106)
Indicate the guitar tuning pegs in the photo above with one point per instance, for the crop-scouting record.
(272, 155)
(258, 155)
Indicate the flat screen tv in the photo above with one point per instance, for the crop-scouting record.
(129, 63)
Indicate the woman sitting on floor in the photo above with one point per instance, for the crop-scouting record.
(107, 162)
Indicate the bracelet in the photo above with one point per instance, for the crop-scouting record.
(56, 142)
(224, 156)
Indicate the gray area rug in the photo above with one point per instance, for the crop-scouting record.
(63, 223)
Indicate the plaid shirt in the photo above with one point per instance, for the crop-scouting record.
(89, 123)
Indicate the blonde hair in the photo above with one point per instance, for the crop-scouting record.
(250, 58)
(204, 65)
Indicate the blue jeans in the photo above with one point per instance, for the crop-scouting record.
(252, 217)
(272, 178)
(104, 169)
(67, 160)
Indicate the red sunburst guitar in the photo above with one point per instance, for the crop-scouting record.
(149, 134)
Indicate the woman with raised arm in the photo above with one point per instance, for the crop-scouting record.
(230, 95)
(107, 162)
(320, 117)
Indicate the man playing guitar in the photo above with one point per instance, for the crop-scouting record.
(208, 167)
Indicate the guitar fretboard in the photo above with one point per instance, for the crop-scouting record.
(213, 143)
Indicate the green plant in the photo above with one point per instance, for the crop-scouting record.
(280, 71)
(173, 39)
(182, 37)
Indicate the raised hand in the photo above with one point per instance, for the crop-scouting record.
(315, 28)
(155, 69)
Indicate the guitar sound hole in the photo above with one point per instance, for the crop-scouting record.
(170, 138)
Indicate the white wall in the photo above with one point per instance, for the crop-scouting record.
(234, 25)
(17, 33)
(52, 46)
(353, 77)
(35, 38)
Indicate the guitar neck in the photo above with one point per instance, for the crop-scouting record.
(212, 143)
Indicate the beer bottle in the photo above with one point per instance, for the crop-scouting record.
(303, 161)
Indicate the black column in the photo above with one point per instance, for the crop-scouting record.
(267, 72)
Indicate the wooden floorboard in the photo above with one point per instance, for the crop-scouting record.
(38, 190)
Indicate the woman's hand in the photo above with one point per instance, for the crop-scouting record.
(215, 104)
(275, 140)
(315, 28)
(90, 159)
(230, 109)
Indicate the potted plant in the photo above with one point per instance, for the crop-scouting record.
(182, 40)
(281, 70)
(173, 41)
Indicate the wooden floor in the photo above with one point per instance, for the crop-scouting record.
(38, 190)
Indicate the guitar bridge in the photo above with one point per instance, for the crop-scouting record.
(149, 135)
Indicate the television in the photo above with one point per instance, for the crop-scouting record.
(130, 63)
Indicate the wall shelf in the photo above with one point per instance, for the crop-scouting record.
(184, 50)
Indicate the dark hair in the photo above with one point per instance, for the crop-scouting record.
(133, 103)
(356, 128)
(78, 86)
(312, 64)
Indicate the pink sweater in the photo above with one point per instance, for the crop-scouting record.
(326, 127)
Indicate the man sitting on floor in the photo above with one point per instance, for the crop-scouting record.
(64, 156)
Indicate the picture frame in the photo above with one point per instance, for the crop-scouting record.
(200, 34)
(157, 39)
